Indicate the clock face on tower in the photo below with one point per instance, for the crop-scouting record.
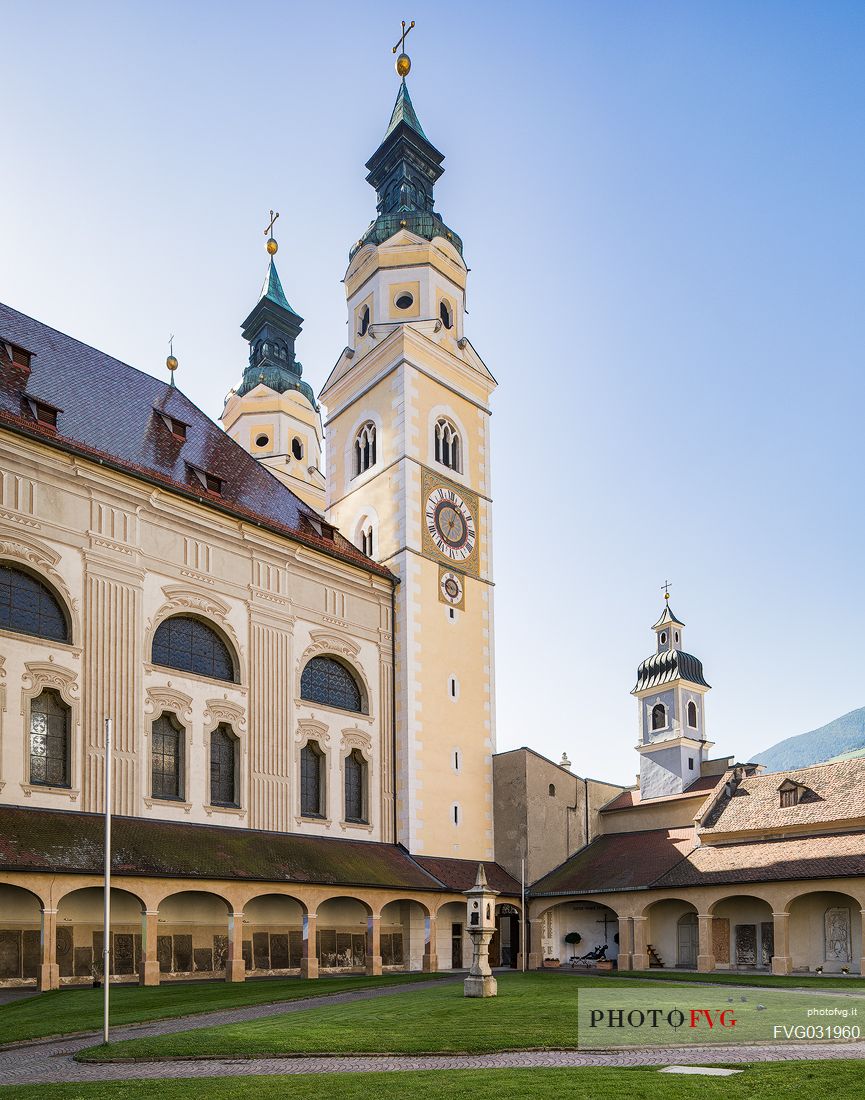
(450, 524)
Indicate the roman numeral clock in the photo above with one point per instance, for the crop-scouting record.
(450, 534)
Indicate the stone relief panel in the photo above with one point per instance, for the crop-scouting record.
(746, 945)
(721, 939)
(837, 935)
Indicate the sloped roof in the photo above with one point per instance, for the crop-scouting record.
(459, 874)
(619, 861)
(835, 792)
(68, 841)
(403, 111)
(668, 665)
(108, 416)
(834, 856)
(627, 800)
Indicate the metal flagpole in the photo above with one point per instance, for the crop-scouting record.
(523, 914)
(106, 930)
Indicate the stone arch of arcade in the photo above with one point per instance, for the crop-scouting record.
(599, 921)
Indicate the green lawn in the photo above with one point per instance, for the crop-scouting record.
(786, 1081)
(770, 981)
(67, 1011)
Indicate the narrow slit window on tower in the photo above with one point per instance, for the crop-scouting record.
(456, 812)
(364, 321)
(456, 760)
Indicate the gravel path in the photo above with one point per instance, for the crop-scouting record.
(42, 1061)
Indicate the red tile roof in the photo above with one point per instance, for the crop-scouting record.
(110, 414)
(619, 861)
(837, 855)
(627, 800)
(68, 841)
(835, 793)
(460, 874)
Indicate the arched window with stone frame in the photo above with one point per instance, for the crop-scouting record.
(223, 766)
(659, 716)
(29, 606)
(167, 750)
(189, 644)
(328, 681)
(365, 448)
(356, 788)
(312, 800)
(49, 741)
(692, 714)
(447, 446)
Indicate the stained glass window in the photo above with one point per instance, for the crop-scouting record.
(166, 757)
(223, 791)
(325, 680)
(190, 645)
(310, 780)
(49, 740)
(355, 787)
(27, 606)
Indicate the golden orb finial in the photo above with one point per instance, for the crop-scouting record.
(171, 361)
(271, 245)
(403, 62)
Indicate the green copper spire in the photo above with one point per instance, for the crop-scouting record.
(403, 111)
(272, 287)
(403, 171)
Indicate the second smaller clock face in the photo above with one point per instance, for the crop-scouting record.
(450, 523)
(451, 588)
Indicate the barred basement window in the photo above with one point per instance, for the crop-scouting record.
(166, 769)
(190, 645)
(27, 606)
(223, 745)
(325, 680)
(311, 802)
(49, 740)
(355, 787)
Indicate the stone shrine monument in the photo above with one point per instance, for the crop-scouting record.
(481, 926)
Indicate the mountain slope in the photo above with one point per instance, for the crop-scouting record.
(843, 735)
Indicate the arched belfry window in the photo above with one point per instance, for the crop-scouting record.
(28, 606)
(327, 681)
(692, 714)
(363, 327)
(364, 448)
(447, 444)
(446, 314)
(659, 716)
(190, 645)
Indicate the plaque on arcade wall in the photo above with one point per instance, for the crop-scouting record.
(10, 954)
(746, 945)
(31, 952)
(220, 952)
(203, 958)
(65, 954)
(261, 950)
(767, 942)
(721, 939)
(124, 953)
(83, 962)
(183, 954)
(163, 954)
(279, 951)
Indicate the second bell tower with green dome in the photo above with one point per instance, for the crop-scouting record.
(273, 413)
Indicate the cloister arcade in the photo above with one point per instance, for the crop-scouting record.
(778, 927)
(51, 932)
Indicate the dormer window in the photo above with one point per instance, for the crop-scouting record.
(208, 481)
(175, 426)
(790, 793)
(44, 413)
(17, 357)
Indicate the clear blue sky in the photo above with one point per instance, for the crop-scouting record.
(662, 207)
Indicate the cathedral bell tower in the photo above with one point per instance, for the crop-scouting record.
(670, 691)
(408, 480)
(273, 413)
